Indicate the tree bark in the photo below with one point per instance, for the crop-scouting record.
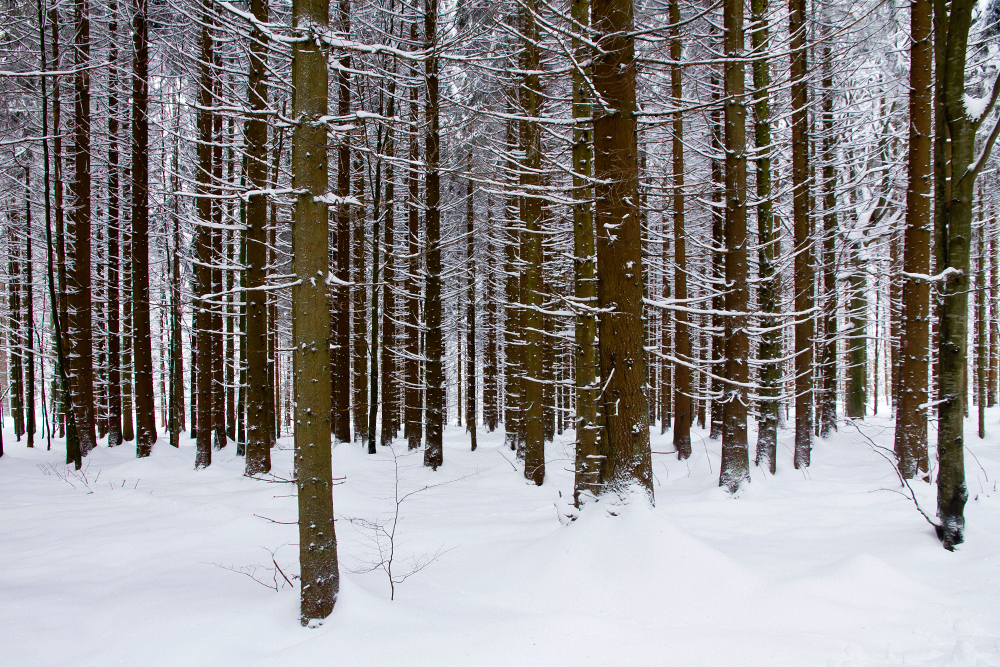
(472, 407)
(114, 248)
(311, 318)
(258, 450)
(802, 230)
(203, 250)
(145, 416)
(341, 367)
(735, 466)
(767, 296)
(910, 442)
(531, 251)
(435, 406)
(619, 254)
(79, 279)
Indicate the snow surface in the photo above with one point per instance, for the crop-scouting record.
(143, 564)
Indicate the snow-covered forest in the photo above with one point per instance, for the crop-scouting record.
(494, 332)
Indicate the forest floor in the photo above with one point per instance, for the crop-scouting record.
(149, 562)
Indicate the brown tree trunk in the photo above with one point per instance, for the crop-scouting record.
(491, 397)
(79, 279)
(588, 462)
(258, 450)
(311, 321)
(625, 440)
(683, 389)
(767, 297)
(113, 249)
(203, 251)
(735, 466)
(472, 407)
(341, 368)
(531, 252)
(413, 416)
(145, 416)
(434, 354)
(911, 414)
(359, 314)
(827, 412)
(802, 230)
(29, 319)
(389, 378)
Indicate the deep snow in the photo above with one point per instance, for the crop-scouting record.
(145, 562)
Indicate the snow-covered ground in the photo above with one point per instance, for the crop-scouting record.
(145, 562)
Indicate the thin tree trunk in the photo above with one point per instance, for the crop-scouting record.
(531, 252)
(802, 229)
(470, 316)
(258, 450)
(735, 466)
(982, 363)
(79, 280)
(114, 249)
(359, 319)
(16, 335)
(512, 315)
(389, 379)
(435, 406)
(145, 416)
(714, 396)
(341, 368)
(203, 252)
(413, 417)
(29, 318)
(767, 240)
(491, 395)
(683, 389)
(827, 413)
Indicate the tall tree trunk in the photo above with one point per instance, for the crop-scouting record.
(145, 416)
(827, 413)
(16, 328)
(258, 450)
(802, 230)
(513, 353)
(619, 254)
(359, 319)
(114, 249)
(29, 318)
(857, 342)
(994, 321)
(531, 251)
(584, 277)
(683, 389)
(982, 365)
(61, 269)
(767, 240)
(216, 307)
(413, 417)
(470, 315)
(341, 368)
(735, 466)
(311, 320)
(389, 379)
(79, 281)
(203, 252)
(715, 383)
(435, 407)
(911, 413)
(491, 395)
